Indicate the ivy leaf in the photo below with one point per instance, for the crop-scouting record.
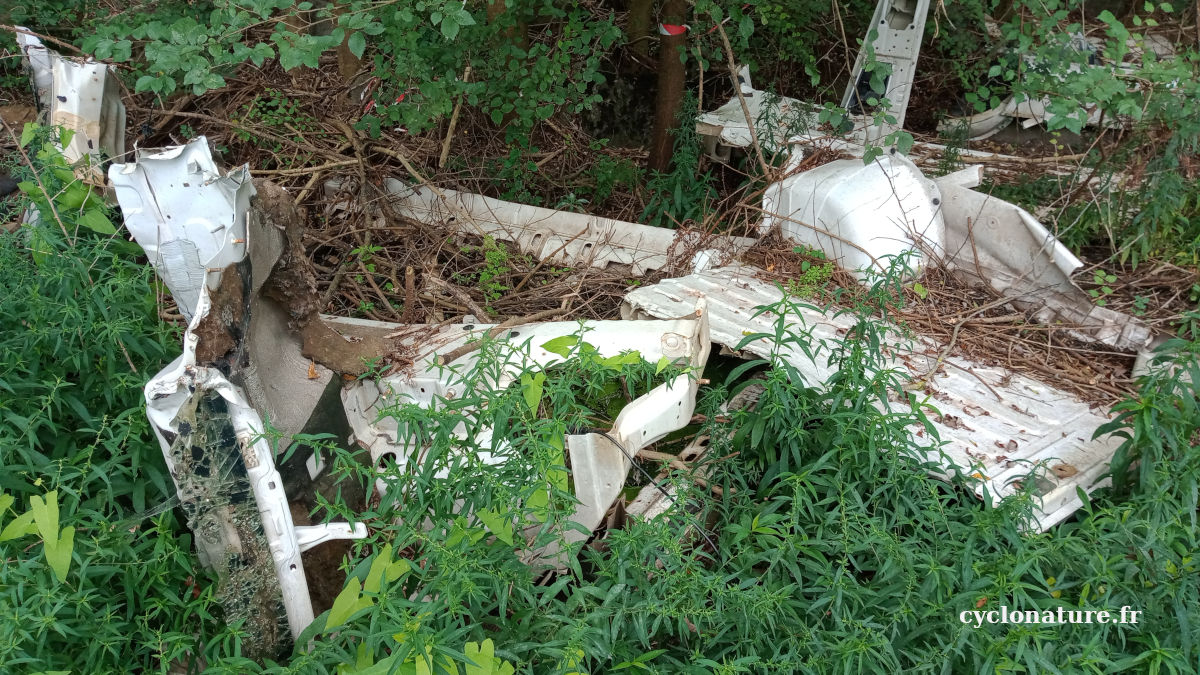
(28, 133)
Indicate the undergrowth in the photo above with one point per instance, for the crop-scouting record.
(97, 572)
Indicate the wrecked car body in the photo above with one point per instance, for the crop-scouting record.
(244, 362)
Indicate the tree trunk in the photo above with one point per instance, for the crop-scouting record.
(518, 34)
(670, 85)
(637, 30)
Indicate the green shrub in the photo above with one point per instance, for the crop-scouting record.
(114, 585)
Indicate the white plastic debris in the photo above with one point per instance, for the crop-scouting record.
(560, 237)
(80, 95)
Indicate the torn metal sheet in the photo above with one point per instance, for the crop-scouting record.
(991, 241)
(77, 94)
(187, 216)
(598, 466)
(239, 361)
(894, 38)
(777, 119)
(1030, 113)
(997, 426)
(563, 237)
(859, 215)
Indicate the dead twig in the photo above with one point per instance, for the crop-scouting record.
(250, 130)
(301, 170)
(459, 294)
(453, 122)
(737, 88)
(40, 36)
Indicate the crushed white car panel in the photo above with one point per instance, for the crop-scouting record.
(187, 216)
(598, 467)
(195, 225)
(560, 237)
(991, 241)
(998, 441)
(859, 215)
(80, 95)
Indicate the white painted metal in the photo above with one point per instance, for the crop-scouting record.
(187, 216)
(192, 221)
(992, 241)
(997, 425)
(168, 393)
(776, 120)
(894, 38)
(560, 236)
(80, 95)
(598, 466)
(859, 214)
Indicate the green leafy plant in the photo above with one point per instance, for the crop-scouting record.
(283, 114)
(113, 584)
(679, 195)
(814, 274)
(1102, 279)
